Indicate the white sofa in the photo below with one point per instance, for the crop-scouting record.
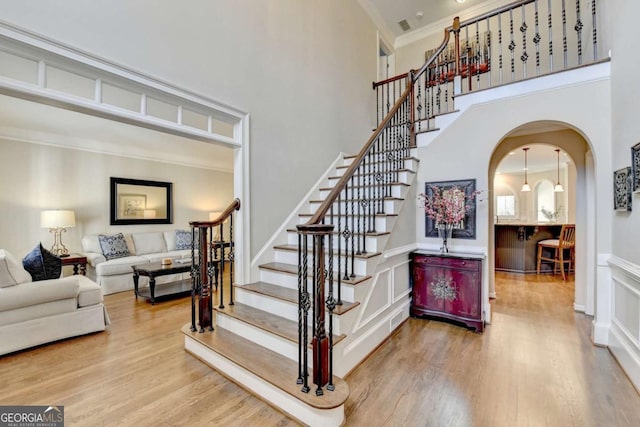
(34, 313)
(116, 275)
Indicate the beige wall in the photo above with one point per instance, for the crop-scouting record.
(36, 177)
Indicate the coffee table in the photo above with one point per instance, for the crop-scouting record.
(156, 269)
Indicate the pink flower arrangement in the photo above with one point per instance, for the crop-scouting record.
(447, 206)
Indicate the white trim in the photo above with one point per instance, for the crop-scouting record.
(579, 307)
(401, 250)
(439, 26)
(622, 264)
(378, 21)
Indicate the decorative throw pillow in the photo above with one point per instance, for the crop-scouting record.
(183, 240)
(11, 271)
(114, 246)
(42, 264)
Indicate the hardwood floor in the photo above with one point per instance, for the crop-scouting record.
(534, 366)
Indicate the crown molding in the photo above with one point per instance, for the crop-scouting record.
(379, 22)
(439, 26)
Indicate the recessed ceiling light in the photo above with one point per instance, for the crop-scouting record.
(460, 1)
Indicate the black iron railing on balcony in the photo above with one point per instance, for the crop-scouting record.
(212, 254)
(521, 40)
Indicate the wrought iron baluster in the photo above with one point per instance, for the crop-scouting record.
(232, 256)
(378, 118)
(537, 38)
(331, 305)
(500, 49)
(578, 28)
(358, 203)
(477, 56)
(525, 56)
(217, 270)
(512, 46)
(487, 52)
(564, 33)
(338, 236)
(550, 25)
(353, 229)
(594, 30)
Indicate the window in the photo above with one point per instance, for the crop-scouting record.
(506, 205)
(546, 202)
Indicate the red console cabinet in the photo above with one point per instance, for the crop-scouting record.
(447, 286)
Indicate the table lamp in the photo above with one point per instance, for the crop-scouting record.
(57, 221)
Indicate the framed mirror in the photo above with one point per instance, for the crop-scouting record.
(136, 201)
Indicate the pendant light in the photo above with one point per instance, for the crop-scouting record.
(558, 187)
(525, 186)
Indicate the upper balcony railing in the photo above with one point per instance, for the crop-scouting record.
(521, 40)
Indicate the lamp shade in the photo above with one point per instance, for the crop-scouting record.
(57, 219)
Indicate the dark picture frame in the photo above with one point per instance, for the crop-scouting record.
(622, 189)
(469, 188)
(635, 168)
(137, 201)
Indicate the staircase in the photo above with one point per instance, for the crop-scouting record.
(328, 260)
(255, 341)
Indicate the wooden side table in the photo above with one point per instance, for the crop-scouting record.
(78, 261)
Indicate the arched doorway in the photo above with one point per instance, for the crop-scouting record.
(579, 201)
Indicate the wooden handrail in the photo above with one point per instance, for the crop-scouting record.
(390, 80)
(342, 183)
(234, 206)
(494, 12)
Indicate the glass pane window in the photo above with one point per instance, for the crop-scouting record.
(506, 205)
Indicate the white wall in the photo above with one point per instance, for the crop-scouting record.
(581, 106)
(625, 123)
(302, 69)
(36, 177)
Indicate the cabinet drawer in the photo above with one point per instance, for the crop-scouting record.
(447, 262)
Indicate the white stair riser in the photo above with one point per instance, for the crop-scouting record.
(286, 309)
(402, 176)
(286, 348)
(371, 242)
(396, 191)
(380, 222)
(290, 281)
(259, 336)
(390, 207)
(360, 266)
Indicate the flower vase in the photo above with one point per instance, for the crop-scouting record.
(444, 232)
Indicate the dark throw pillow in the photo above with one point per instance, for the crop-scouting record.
(113, 246)
(42, 264)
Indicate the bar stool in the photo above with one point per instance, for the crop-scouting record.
(565, 242)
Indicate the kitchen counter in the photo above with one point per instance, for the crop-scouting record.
(516, 245)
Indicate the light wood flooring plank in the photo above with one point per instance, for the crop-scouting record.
(534, 366)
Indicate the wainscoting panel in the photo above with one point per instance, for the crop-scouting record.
(624, 333)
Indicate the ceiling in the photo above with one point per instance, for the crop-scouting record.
(394, 11)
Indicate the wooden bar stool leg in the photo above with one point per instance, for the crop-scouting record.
(561, 254)
(539, 259)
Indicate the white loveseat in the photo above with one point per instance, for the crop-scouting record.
(34, 313)
(116, 275)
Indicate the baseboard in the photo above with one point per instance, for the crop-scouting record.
(626, 353)
(579, 307)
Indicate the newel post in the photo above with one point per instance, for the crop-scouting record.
(319, 277)
(412, 108)
(457, 78)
